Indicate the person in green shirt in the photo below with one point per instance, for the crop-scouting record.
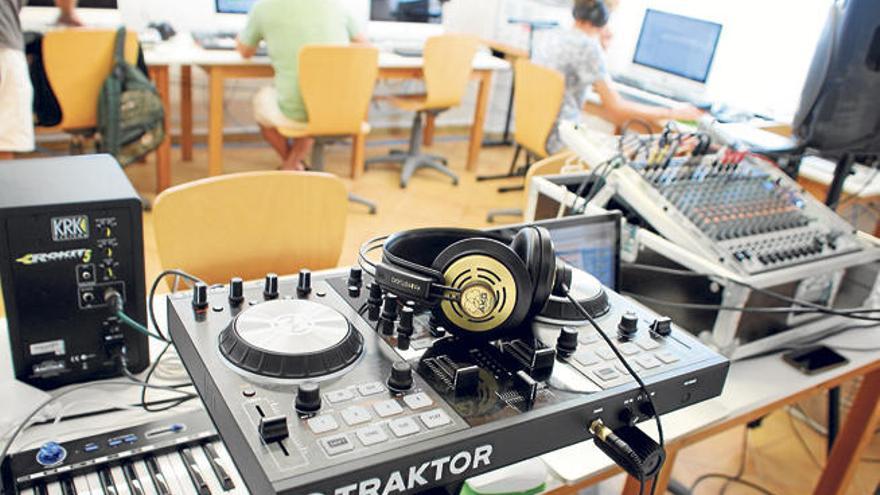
(286, 26)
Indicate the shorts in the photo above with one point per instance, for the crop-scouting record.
(268, 113)
(16, 103)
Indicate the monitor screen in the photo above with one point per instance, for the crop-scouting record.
(85, 4)
(424, 11)
(679, 45)
(588, 243)
(234, 6)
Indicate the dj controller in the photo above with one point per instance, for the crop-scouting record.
(322, 384)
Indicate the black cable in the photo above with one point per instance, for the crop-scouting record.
(156, 282)
(144, 404)
(718, 307)
(754, 486)
(586, 314)
(741, 470)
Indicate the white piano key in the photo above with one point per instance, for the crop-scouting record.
(230, 468)
(82, 486)
(27, 491)
(207, 471)
(140, 468)
(169, 475)
(54, 488)
(175, 464)
(120, 481)
(94, 483)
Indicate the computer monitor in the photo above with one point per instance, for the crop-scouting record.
(233, 6)
(678, 45)
(588, 243)
(419, 11)
(85, 4)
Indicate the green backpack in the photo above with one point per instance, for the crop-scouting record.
(131, 118)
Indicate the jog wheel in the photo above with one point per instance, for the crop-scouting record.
(587, 290)
(291, 339)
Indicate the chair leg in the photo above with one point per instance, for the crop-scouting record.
(428, 134)
(318, 155)
(415, 136)
(354, 198)
(417, 162)
(358, 145)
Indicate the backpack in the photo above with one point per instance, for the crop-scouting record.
(131, 118)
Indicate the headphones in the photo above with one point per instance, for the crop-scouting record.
(593, 11)
(480, 284)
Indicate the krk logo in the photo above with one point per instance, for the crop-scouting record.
(73, 228)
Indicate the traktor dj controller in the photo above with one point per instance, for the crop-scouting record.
(321, 384)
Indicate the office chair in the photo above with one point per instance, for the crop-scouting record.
(77, 63)
(337, 86)
(447, 70)
(247, 225)
(548, 166)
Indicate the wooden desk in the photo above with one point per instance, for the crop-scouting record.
(748, 395)
(160, 75)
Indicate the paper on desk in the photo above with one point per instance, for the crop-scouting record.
(26, 399)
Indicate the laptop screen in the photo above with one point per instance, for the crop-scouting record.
(678, 45)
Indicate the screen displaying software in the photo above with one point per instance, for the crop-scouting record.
(85, 4)
(678, 45)
(234, 6)
(424, 11)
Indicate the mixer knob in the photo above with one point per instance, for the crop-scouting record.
(567, 342)
(273, 428)
(236, 291)
(200, 296)
(662, 326)
(374, 299)
(628, 326)
(389, 314)
(401, 376)
(354, 291)
(270, 286)
(304, 283)
(308, 398)
(355, 277)
(405, 325)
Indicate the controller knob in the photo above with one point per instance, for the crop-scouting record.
(628, 326)
(389, 314)
(355, 277)
(308, 398)
(270, 286)
(405, 324)
(200, 295)
(236, 291)
(662, 326)
(401, 376)
(354, 291)
(304, 283)
(51, 453)
(567, 342)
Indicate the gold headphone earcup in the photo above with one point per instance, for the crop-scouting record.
(488, 293)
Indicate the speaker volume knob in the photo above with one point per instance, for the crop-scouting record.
(236, 291)
(401, 376)
(200, 296)
(270, 286)
(304, 283)
(308, 398)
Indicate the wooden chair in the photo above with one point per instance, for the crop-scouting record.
(548, 166)
(250, 224)
(337, 85)
(448, 63)
(77, 62)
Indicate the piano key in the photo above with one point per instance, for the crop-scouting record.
(107, 483)
(132, 479)
(53, 488)
(205, 466)
(27, 491)
(195, 472)
(140, 468)
(41, 489)
(220, 471)
(172, 463)
(95, 487)
(68, 487)
(120, 481)
(82, 485)
(230, 466)
(160, 480)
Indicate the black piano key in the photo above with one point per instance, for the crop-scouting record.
(195, 473)
(131, 477)
(107, 483)
(159, 480)
(216, 464)
(41, 489)
(67, 487)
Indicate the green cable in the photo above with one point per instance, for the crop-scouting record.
(124, 318)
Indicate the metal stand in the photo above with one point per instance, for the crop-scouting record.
(833, 416)
(318, 164)
(841, 173)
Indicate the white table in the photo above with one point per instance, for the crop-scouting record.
(221, 65)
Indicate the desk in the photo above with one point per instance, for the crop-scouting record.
(749, 395)
(222, 65)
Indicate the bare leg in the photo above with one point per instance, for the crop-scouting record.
(276, 140)
(6, 155)
(300, 150)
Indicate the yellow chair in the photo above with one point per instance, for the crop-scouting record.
(250, 224)
(77, 63)
(551, 165)
(448, 63)
(337, 85)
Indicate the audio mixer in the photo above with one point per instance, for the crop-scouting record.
(323, 383)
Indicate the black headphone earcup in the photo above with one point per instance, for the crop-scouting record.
(496, 288)
(535, 247)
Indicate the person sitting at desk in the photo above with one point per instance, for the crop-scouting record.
(16, 92)
(579, 55)
(286, 26)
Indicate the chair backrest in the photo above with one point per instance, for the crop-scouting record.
(77, 63)
(250, 224)
(337, 85)
(551, 165)
(449, 63)
(538, 98)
